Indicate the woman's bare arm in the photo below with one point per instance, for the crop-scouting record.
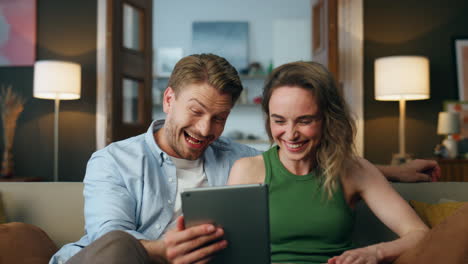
(390, 208)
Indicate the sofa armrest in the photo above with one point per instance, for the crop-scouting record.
(370, 230)
(55, 207)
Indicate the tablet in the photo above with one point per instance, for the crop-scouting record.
(242, 211)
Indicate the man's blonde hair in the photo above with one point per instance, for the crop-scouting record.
(206, 68)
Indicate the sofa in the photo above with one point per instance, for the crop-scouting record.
(57, 208)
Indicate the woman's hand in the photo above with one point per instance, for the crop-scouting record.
(366, 255)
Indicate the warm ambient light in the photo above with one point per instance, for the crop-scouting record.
(57, 80)
(448, 124)
(401, 78)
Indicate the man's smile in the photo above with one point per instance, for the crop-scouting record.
(194, 141)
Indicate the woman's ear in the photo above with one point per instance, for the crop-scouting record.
(168, 99)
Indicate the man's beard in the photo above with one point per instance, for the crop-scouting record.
(183, 153)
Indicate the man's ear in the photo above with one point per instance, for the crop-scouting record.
(168, 99)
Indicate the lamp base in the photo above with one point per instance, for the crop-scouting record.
(398, 159)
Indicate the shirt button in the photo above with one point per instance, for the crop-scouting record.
(170, 179)
(169, 201)
(158, 226)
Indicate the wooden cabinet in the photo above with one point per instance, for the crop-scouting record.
(21, 179)
(455, 170)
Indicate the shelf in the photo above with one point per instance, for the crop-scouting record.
(253, 77)
(160, 77)
(236, 105)
(453, 169)
(253, 141)
(242, 77)
(21, 179)
(247, 104)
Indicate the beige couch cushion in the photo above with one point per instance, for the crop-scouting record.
(55, 207)
(2, 211)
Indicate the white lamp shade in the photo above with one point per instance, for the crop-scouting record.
(57, 80)
(401, 77)
(448, 123)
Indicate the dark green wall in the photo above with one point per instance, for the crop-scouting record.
(66, 30)
(399, 27)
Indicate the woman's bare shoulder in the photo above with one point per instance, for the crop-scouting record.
(360, 167)
(247, 170)
(360, 174)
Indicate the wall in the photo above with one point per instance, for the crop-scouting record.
(173, 21)
(173, 28)
(401, 27)
(66, 30)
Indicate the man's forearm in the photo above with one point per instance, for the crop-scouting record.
(392, 173)
(412, 171)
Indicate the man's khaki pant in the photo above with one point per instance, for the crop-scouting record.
(114, 247)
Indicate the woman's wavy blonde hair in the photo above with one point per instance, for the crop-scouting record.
(336, 149)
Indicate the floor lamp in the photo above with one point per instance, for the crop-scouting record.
(401, 78)
(57, 80)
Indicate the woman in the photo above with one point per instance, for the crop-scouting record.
(315, 178)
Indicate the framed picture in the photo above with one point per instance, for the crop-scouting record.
(460, 107)
(17, 33)
(226, 39)
(166, 59)
(461, 62)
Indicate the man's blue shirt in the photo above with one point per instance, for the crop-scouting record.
(130, 185)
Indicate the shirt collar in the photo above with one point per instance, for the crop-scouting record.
(149, 138)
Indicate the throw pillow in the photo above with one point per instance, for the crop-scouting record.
(445, 200)
(434, 214)
(444, 244)
(22, 243)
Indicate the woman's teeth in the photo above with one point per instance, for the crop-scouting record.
(293, 146)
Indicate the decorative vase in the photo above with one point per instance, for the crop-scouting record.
(8, 138)
(7, 164)
(11, 106)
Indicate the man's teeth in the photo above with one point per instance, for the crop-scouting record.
(193, 142)
(192, 139)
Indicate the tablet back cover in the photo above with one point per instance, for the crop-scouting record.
(242, 211)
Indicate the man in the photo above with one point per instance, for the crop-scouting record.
(134, 185)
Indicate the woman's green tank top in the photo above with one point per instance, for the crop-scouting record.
(305, 225)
